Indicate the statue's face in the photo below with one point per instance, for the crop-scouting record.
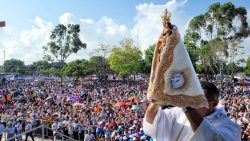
(164, 22)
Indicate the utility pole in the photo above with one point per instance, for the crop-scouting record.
(2, 24)
(3, 60)
(4, 56)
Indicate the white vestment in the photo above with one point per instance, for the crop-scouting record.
(172, 125)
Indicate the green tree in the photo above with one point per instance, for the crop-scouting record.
(233, 68)
(219, 27)
(14, 66)
(42, 64)
(51, 68)
(234, 64)
(125, 60)
(149, 54)
(64, 41)
(57, 65)
(51, 71)
(247, 69)
(206, 59)
(39, 65)
(77, 68)
(30, 68)
(190, 41)
(100, 66)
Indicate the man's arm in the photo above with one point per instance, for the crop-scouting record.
(205, 131)
(156, 121)
(225, 132)
(151, 112)
(194, 117)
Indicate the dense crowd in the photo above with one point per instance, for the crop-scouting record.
(236, 100)
(93, 110)
(102, 109)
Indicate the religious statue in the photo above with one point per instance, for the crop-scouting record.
(173, 80)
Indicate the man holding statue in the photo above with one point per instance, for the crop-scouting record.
(173, 81)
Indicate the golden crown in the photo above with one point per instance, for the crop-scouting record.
(166, 16)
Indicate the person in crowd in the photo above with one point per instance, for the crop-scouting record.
(19, 130)
(10, 130)
(55, 127)
(70, 127)
(2, 127)
(29, 133)
(89, 136)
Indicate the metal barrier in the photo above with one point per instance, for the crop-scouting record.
(42, 138)
(45, 131)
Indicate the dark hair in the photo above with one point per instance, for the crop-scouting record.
(211, 91)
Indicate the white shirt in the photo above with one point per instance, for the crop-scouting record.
(70, 127)
(89, 137)
(4, 118)
(172, 125)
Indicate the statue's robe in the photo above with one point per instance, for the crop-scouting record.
(173, 80)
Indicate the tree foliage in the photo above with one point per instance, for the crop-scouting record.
(39, 65)
(214, 36)
(64, 40)
(51, 71)
(247, 69)
(44, 66)
(149, 54)
(77, 68)
(14, 66)
(126, 59)
(100, 66)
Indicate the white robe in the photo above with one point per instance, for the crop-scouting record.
(171, 123)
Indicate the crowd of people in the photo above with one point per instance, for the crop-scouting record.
(236, 100)
(99, 108)
(94, 110)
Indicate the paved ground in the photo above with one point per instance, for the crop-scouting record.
(29, 139)
(36, 139)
